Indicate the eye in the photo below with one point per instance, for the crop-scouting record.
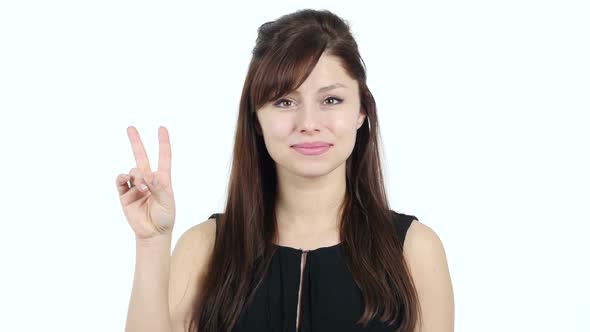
(280, 102)
(334, 98)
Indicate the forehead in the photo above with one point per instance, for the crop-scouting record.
(328, 71)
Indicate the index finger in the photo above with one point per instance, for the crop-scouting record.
(165, 156)
(141, 158)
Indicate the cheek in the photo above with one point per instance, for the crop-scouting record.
(274, 126)
(344, 126)
(277, 130)
(276, 136)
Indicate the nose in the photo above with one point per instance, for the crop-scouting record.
(308, 119)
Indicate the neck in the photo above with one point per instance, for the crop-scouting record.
(310, 205)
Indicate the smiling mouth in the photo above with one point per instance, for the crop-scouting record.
(312, 151)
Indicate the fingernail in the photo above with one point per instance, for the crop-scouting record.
(155, 181)
(142, 187)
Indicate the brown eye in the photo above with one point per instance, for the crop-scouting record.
(334, 98)
(280, 102)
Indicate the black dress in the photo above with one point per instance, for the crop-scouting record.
(331, 300)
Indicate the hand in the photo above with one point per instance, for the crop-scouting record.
(148, 203)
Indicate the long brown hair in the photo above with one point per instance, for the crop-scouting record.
(285, 53)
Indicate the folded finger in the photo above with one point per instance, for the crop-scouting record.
(122, 185)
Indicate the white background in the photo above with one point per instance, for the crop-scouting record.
(484, 110)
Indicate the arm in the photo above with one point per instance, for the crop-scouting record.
(148, 306)
(188, 268)
(165, 287)
(427, 261)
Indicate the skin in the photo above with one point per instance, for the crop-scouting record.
(425, 254)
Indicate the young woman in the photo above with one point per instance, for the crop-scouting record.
(307, 241)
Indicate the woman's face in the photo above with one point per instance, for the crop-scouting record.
(325, 110)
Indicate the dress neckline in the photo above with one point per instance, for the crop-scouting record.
(300, 250)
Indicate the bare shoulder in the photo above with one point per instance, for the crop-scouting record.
(425, 254)
(420, 238)
(188, 265)
(201, 232)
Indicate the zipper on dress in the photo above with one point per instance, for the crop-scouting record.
(302, 273)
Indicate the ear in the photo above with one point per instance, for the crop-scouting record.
(361, 118)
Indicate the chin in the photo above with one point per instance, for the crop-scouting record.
(311, 175)
(309, 169)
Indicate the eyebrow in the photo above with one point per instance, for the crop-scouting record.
(326, 88)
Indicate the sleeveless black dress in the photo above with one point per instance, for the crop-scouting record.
(330, 298)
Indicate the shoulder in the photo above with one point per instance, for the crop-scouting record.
(422, 240)
(188, 267)
(196, 241)
(425, 254)
(202, 233)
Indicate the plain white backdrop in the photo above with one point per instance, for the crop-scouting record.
(484, 112)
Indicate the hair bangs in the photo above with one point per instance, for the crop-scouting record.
(283, 70)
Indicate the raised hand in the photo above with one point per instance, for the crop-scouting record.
(146, 197)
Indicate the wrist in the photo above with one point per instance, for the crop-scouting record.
(157, 240)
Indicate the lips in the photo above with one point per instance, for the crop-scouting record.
(311, 145)
(311, 148)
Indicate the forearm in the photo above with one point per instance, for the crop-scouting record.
(148, 305)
